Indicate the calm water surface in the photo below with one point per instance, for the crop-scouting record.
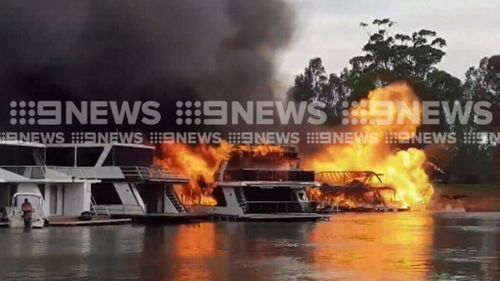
(404, 246)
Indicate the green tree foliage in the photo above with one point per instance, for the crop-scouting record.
(483, 82)
(390, 56)
(478, 162)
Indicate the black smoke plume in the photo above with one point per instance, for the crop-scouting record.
(162, 50)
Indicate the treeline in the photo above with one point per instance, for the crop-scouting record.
(388, 57)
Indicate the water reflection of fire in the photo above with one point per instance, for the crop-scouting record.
(366, 248)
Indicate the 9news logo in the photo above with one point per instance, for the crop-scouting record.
(55, 113)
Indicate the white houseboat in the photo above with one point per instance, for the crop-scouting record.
(116, 180)
(23, 170)
(276, 190)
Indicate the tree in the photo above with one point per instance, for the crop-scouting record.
(315, 85)
(389, 57)
(483, 82)
(477, 162)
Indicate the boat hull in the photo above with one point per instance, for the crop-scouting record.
(18, 222)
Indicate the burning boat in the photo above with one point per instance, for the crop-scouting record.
(255, 183)
(356, 191)
(256, 194)
(402, 166)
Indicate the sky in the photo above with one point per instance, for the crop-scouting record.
(330, 29)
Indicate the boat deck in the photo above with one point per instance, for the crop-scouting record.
(98, 220)
(171, 217)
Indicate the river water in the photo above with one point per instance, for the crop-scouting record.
(375, 246)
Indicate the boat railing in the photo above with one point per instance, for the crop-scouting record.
(346, 177)
(145, 173)
(121, 209)
(98, 209)
(75, 172)
(141, 173)
(279, 207)
(268, 175)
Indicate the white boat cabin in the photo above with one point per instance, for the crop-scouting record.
(109, 179)
(253, 194)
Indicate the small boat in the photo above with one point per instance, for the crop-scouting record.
(15, 213)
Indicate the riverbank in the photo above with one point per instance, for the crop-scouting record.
(477, 198)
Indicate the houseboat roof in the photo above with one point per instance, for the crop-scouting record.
(82, 162)
(145, 146)
(42, 145)
(260, 175)
(8, 174)
(268, 184)
(22, 143)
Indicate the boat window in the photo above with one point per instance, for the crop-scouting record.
(105, 194)
(302, 196)
(132, 156)
(279, 193)
(14, 155)
(60, 156)
(218, 194)
(88, 156)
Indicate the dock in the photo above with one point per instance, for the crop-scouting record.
(171, 218)
(98, 220)
(279, 217)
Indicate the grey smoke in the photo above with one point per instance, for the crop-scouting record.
(166, 50)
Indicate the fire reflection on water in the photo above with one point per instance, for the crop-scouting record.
(182, 252)
(352, 246)
(196, 251)
(374, 246)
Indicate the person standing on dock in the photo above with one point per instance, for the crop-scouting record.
(27, 210)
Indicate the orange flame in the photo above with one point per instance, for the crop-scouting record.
(404, 169)
(259, 150)
(200, 164)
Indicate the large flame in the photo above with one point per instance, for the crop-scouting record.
(198, 163)
(403, 169)
(202, 162)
